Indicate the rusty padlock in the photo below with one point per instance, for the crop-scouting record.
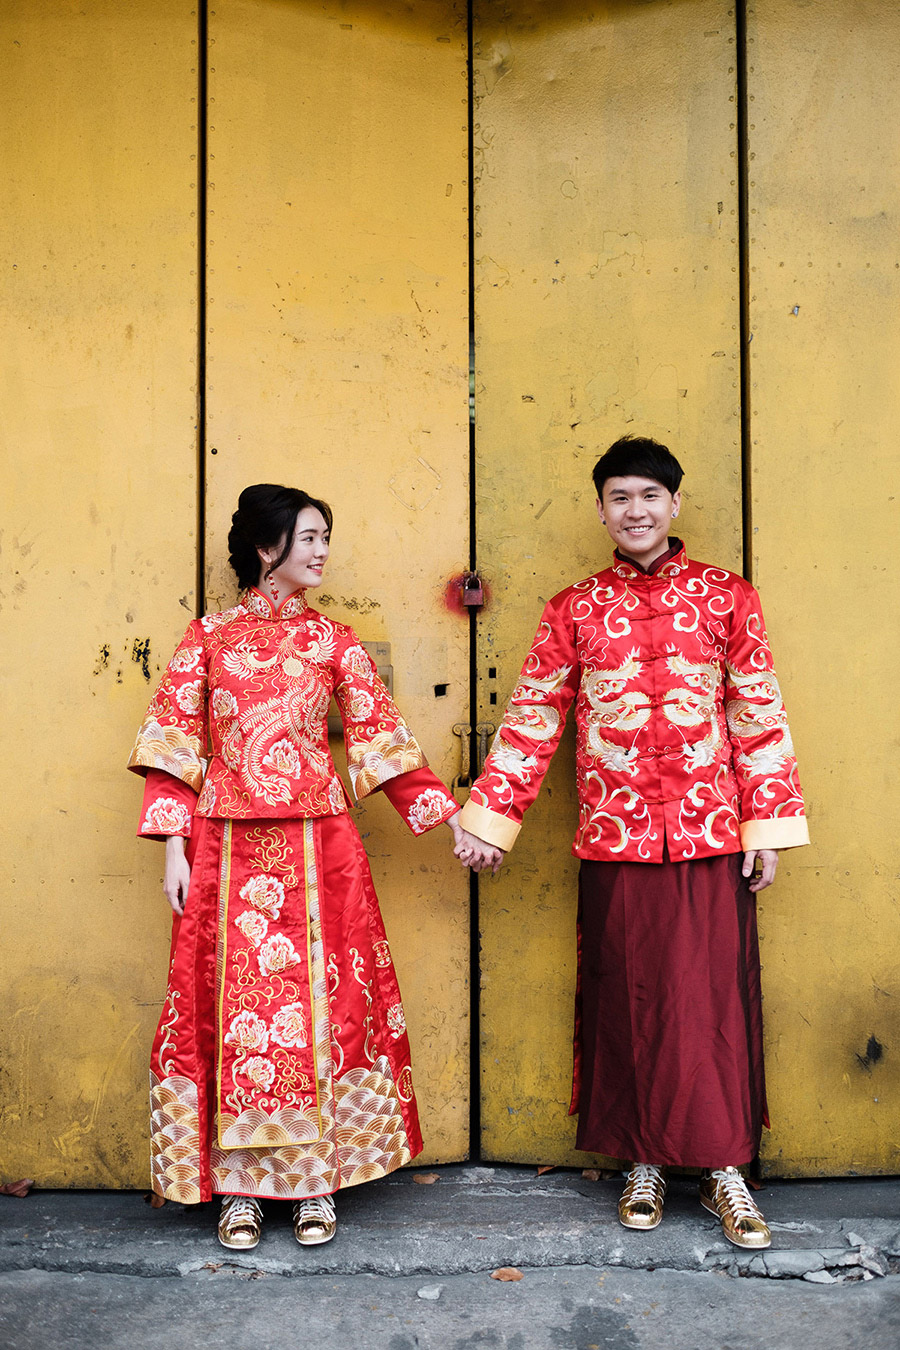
(472, 590)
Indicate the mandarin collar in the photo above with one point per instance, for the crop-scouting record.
(259, 604)
(670, 564)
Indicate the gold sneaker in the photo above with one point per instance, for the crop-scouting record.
(724, 1193)
(240, 1222)
(314, 1220)
(641, 1205)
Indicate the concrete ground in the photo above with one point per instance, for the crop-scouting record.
(411, 1266)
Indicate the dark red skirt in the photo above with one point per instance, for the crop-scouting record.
(668, 1045)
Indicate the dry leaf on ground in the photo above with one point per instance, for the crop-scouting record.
(427, 1178)
(507, 1273)
(591, 1174)
(754, 1184)
(17, 1188)
(155, 1201)
(542, 1171)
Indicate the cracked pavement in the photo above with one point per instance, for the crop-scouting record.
(411, 1266)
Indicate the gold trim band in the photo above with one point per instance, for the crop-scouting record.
(489, 825)
(779, 832)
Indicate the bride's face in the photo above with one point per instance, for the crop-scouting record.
(303, 566)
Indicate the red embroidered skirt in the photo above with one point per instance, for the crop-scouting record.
(281, 1064)
(669, 1052)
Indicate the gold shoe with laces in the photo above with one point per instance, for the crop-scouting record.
(641, 1205)
(314, 1220)
(240, 1222)
(724, 1193)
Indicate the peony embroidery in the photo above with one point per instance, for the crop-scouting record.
(395, 1020)
(336, 796)
(166, 816)
(224, 703)
(264, 893)
(357, 661)
(248, 1032)
(289, 1027)
(210, 622)
(360, 705)
(186, 659)
(207, 801)
(253, 926)
(261, 1072)
(427, 810)
(283, 757)
(189, 697)
(277, 954)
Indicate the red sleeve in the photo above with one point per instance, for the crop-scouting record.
(420, 798)
(380, 745)
(173, 736)
(771, 804)
(531, 730)
(168, 806)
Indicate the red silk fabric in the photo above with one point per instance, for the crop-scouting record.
(264, 1035)
(669, 1051)
(418, 796)
(281, 1065)
(240, 717)
(681, 732)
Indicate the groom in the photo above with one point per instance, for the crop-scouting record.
(687, 787)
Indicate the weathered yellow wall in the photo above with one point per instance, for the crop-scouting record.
(337, 339)
(338, 362)
(825, 404)
(606, 275)
(98, 342)
(606, 301)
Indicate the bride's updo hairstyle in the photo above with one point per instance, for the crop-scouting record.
(266, 517)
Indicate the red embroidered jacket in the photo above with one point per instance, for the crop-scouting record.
(681, 731)
(250, 689)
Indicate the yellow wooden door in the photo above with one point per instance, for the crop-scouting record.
(607, 271)
(98, 334)
(606, 300)
(824, 175)
(608, 268)
(335, 356)
(337, 361)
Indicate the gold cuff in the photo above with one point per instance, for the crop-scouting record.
(489, 825)
(779, 832)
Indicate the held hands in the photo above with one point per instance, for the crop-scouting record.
(178, 874)
(472, 851)
(768, 861)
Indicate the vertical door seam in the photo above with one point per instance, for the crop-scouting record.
(746, 334)
(202, 303)
(474, 912)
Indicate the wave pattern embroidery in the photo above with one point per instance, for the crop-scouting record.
(175, 1139)
(363, 1137)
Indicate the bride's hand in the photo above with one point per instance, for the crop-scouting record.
(472, 851)
(178, 874)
